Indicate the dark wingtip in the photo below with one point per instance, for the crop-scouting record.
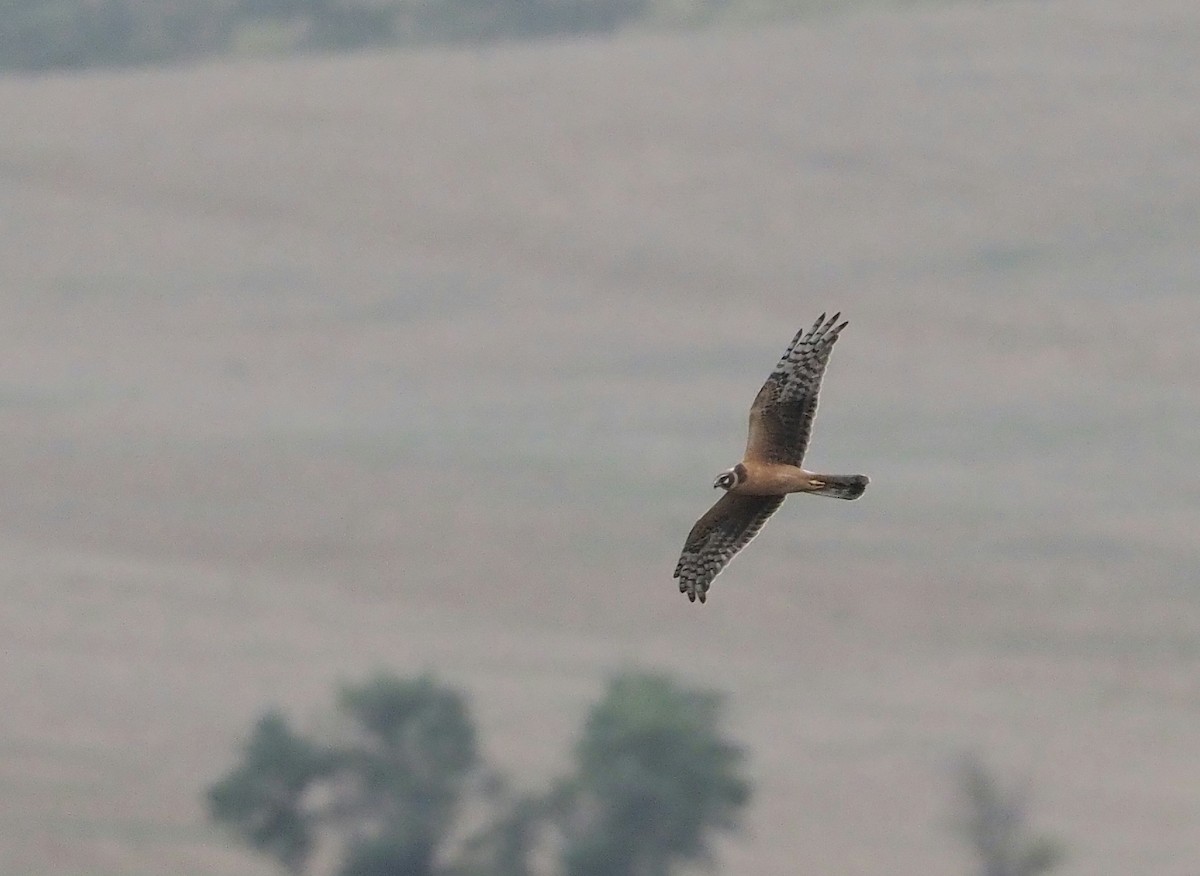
(833, 327)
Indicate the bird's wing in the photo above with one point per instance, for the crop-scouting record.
(783, 411)
(725, 529)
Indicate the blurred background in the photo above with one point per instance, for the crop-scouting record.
(344, 338)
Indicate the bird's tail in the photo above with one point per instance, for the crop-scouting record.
(842, 486)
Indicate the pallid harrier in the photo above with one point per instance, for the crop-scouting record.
(780, 421)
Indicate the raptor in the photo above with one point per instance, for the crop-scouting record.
(781, 419)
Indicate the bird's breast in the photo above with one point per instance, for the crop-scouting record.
(774, 480)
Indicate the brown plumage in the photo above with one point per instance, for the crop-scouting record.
(781, 420)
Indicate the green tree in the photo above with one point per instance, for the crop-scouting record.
(389, 785)
(655, 780)
(406, 771)
(995, 824)
(385, 791)
(265, 798)
(40, 34)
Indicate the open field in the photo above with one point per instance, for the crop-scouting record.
(428, 360)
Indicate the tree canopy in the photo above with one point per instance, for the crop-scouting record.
(654, 781)
(42, 34)
(385, 792)
(995, 824)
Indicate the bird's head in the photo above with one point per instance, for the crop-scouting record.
(730, 478)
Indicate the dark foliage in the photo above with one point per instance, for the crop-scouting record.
(45, 34)
(386, 792)
(996, 826)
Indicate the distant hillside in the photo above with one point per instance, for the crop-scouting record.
(427, 359)
(74, 34)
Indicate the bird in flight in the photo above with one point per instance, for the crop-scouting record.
(780, 421)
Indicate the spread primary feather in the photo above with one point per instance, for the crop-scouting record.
(781, 421)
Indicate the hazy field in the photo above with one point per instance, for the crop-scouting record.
(428, 361)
